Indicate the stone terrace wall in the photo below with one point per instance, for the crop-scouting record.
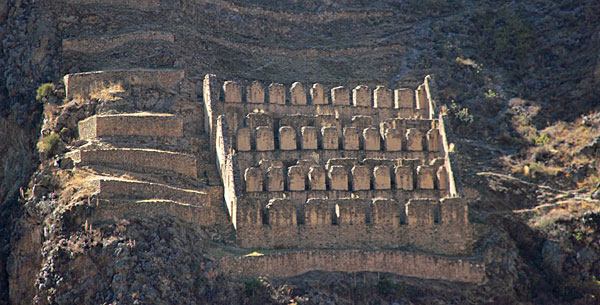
(81, 84)
(141, 158)
(200, 215)
(140, 124)
(102, 44)
(289, 264)
(314, 170)
(425, 224)
(139, 4)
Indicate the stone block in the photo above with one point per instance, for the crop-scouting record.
(421, 212)
(340, 96)
(276, 94)
(265, 164)
(393, 139)
(233, 92)
(421, 98)
(296, 180)
(362, 121)
(287, 138)
(361, 96)
(306, 164)
(309, 137)
(433, 140)
(382, 97)
(404, 98)
(404, 178)
(361, 178)
(256, 119)
(281, 213)
(319, 212)
(414, 140)
(316, 178)
(338, 178)
(426, 177)
(351, 138)
(347, 163)
(298, 94)
(442, 178)
(388, 213)
(454, 211)
(264, 139)
(351, 212)
(255, 93)
(254, 179)
(275, 179)
(381, 178)
(330, 138)
(371, 139)
(243, 139)
(317, 94)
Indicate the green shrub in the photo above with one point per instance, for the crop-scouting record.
(461, 114)
(252, 286)
(48, 144)
(542, 140)
(44, 92)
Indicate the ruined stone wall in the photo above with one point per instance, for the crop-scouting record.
(140, 158)
(199, 215)
(137, 190)
(426, 224)
(139, 4)
(287, 264)
(141, 124)
(81, 84)
(102, 44)
(354, 168)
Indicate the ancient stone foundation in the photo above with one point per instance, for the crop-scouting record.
(286, 264)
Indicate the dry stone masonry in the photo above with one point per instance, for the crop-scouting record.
(300, 167)
(362, 168)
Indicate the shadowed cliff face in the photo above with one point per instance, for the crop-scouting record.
(480, 53)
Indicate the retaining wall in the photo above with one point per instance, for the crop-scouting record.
(81, 84)
(287, 264)
(137, 124)
(103, 44)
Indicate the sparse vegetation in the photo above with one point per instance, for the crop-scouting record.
(48, 144)
(108, 92)
(461, 115)
(45, 92)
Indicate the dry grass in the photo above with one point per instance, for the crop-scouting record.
(108, 92)
(564, 211)
(554, 150)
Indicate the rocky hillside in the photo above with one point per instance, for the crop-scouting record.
(520, 80)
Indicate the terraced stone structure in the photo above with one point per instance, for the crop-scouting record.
(357, 168)
(328, 174)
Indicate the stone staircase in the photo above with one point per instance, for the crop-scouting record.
(141, 163)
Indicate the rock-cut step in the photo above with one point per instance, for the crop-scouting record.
(131, 124)
(116, 188)
(138, 159)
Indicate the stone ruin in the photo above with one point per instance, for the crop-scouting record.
(309, 168)
(343, 179)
